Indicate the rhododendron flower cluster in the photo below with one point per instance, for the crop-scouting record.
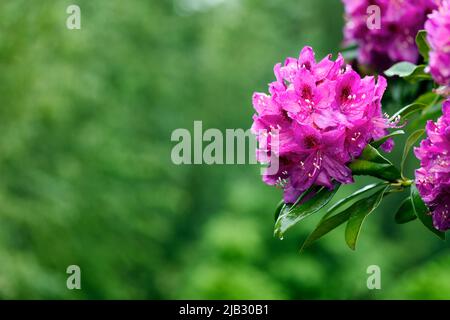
(438, 36)
(324, 115)
(433, 177)
(394, 40)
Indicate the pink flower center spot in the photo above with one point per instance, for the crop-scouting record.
(306, 93)
(307, 65)
(345, 94)
(311, 142)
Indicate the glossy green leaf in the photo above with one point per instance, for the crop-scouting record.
(332, 222)
(312, 190)
(281, 205)
(372, 163)
(432, 110)
(378, 170)
(418, 74)
(412, 139)
(408, 71)
(406, 212)
(294, 214)
(431, 101)
(423, 213)
(360, 210)
(404, 112)
(376, 144)
(428, 98)
(326, 226)
(351, 197)
(371, 154)
(401, 69)
(422, 44)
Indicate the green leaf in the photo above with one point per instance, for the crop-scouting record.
(423, 213)
(326, 226)
(406, 212)
(432, 110)
(377, 143)
(422, 44)
(433, 103)
(404, 112)
(294, 214)
(312, 190)
(349, 198)
(331, 223)
(360, 210)
(408, 71)
(418, 74)
(378, 170)
(280, 207)
(372, 163)
(371, 154)
(412, 139)
(401, 69)
(428, 98)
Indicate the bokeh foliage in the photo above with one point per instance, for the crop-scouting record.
(86, 177)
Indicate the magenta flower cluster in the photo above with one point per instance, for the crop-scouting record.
(394, 39)
(438, 36)
(324, 114)
(433, 177)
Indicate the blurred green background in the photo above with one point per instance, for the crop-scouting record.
(86, 176)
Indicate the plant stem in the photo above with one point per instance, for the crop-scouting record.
(402, 183)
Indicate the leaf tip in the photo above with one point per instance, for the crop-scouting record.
(351, 245)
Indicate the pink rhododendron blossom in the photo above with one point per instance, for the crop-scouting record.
(438, 36)
(394, 39)
(433, 177)
(324, 115)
